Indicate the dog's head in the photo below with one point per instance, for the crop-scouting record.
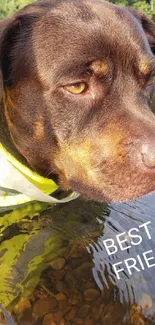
(78, 77)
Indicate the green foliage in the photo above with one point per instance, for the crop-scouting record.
(143, 6)
(7, 7)
(147, 6)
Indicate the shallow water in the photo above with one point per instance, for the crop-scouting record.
(55, 268)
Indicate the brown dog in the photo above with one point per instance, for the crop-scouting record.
(77, 81)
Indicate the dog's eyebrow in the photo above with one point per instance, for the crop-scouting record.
(146, 65)
(100, 67)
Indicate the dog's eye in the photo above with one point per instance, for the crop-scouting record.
(151, 81)
(76, 88)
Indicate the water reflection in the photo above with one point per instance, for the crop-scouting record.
(55, 267)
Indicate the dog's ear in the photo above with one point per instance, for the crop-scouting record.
(1, 84)
(148, 26)
(7, 29)
(15, 36)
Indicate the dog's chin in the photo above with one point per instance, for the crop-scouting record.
(115, 194)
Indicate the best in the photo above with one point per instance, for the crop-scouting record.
(125, 240)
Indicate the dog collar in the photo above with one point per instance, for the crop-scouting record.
(20, 185)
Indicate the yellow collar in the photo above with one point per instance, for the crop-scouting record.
(46, 185)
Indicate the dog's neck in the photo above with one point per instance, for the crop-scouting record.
(6, 141)
(5, 138)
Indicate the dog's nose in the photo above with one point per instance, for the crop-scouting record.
(148, 153)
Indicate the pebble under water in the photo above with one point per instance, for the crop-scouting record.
(81, 263)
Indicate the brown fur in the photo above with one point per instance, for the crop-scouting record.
(91, 142)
